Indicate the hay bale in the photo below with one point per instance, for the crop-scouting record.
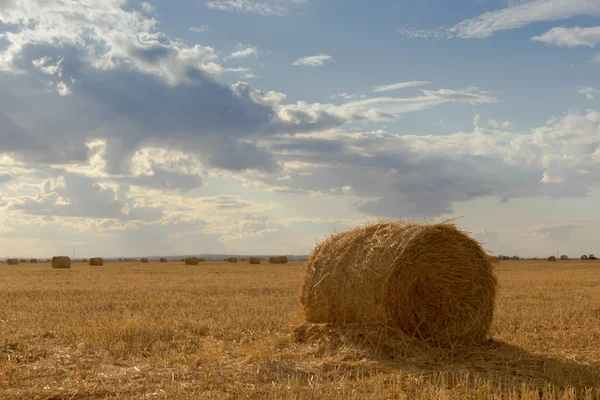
(144, 261)
(192, 261)
(551, 258)
(278, 260)
(584, 257)
(254, 260)
(429, 281)
(162, 259)
(493, 259)
(33, 261)
(232, 259)
(23, 260)
(12, 261)
(200, 259)
(61, 262)
(97, 261)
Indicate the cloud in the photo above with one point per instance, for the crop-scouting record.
(397, 86)
(517, 15)
(498, 124)
(147, 7)
(200, 29)
(571, 37)
(555, 233)
(588, 92)
(243, 51)
(262, 7)
(313, 61)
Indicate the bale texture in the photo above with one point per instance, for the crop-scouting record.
(12, 261)
(232, 259)
(33, 261)
(430, 281)
(61, 262)
(551, 258)
(278, 260)
(162, 259)
(144, 260)
(192, 261)
(494, 259)
(254, 260)
(97, 261)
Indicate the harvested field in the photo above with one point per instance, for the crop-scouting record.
(226, 330)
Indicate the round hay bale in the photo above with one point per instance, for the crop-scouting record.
(551, 258)
(584, 257)
(23, 260)
(162, 259)
(144, 261)
(232, 259)
(33, 261)
(12, 261)
(278, 260)
(97, 261)
(254, 260)
(192, 261)
(430, 281)
(61, 262)
(494, 259)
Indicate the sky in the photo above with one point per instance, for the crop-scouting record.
(157, 127)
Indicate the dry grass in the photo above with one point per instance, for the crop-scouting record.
(224, 331)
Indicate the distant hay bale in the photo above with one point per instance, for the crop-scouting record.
(61, 262)
(33, 261)
(97, 261)
(200, 259)
(232, 259)
(12, 261)
(144, 261)
(162, 260)
(254, 260)
(278, 260)
(23, 260)
(584, 257)
(429, 281)
(551, 258)
(192, 261)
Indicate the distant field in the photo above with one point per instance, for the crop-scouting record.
(221, 330)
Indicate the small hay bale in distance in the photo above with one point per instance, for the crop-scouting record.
(584, 257)
(254, 260)
(429, 281)
(12, 261)
(192, 261)
(278, 260)
(33, 261)
(23, 260)
(200, 259)
(551, 258)
(144, 260)
(232, 259)
(62, 262)
(97, 261)
(162, 259)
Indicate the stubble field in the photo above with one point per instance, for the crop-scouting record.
(221, 330)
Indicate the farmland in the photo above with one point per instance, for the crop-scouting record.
(221, 330)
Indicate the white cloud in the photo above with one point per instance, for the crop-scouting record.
(147, 7)
(243, 51)
(313, 61)
(588, 92)
(400, 85)
(571, 37)
(499, 124)
(200, 29)
(46, 65)
(262, 7)
(517, 15)
(62, 89)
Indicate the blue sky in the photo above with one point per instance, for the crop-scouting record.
(261, 126)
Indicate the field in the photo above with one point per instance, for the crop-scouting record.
(220, 330)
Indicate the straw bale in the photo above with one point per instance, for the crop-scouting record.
(232, 259)
(254, 260)
(192, 261)
(144, 260)
(97, 261)
(33, 261)
(552, 258)
(429, 281)
(584, 257)
(12, 261)
(61, 262)
(278, 260)
(162, 260)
